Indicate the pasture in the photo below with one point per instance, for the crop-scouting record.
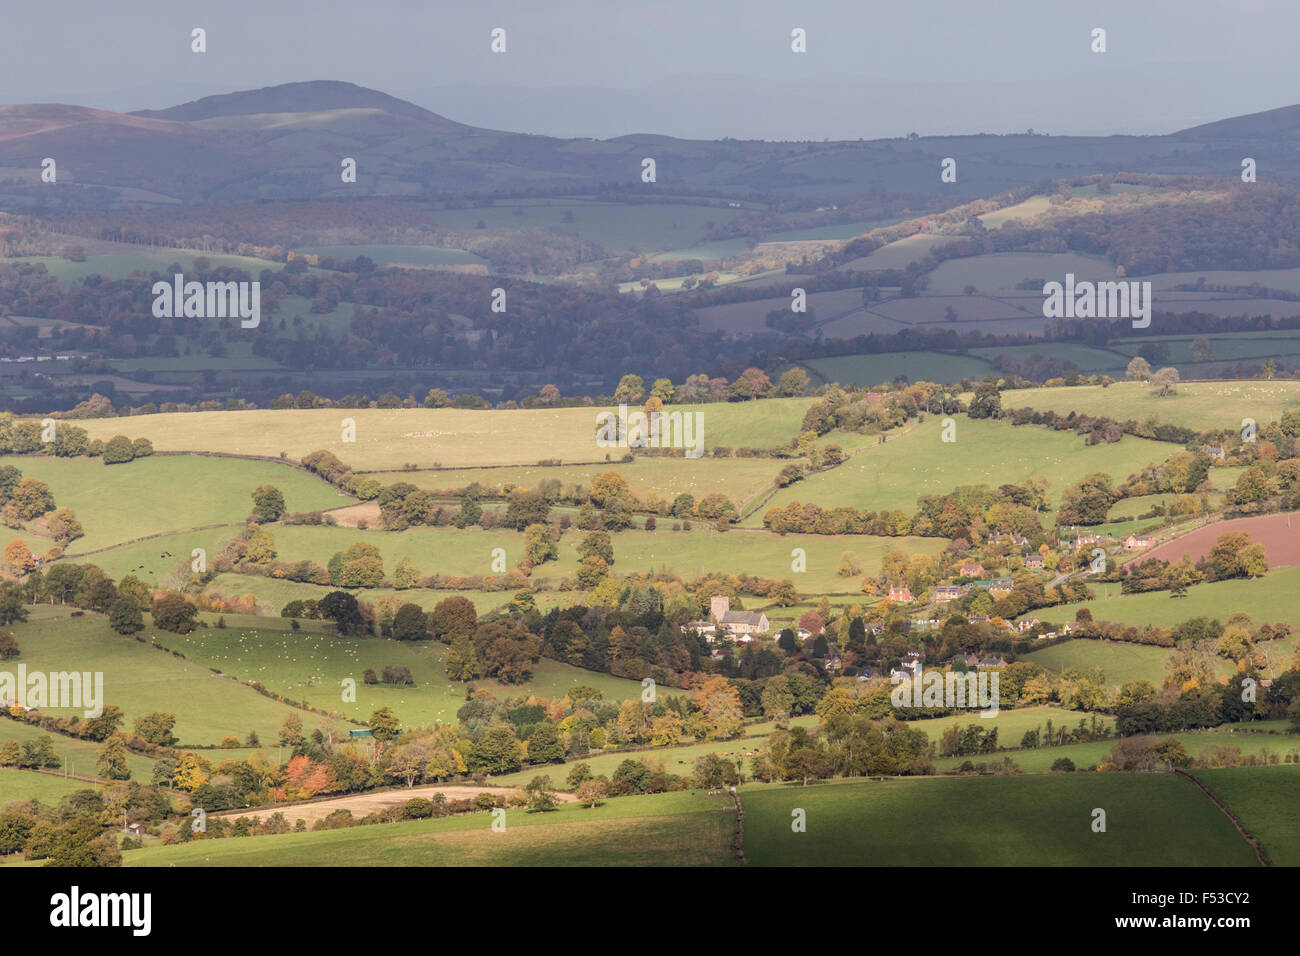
(1085, 755)
(673, 829)
(894, 474)
(1270, 598)
(1264, 799)
(390, 438)
(141, 679)
(737, 478)
(30, 785)
(917, 366)
(312, 665)
(1120, 662)
(1004, 270)
(1198, 405)
(700, 551)
(118, 503)
(78, 755)
(991, 821)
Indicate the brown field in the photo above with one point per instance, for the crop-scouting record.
(362, 804)
(1279, 534)
(350, 516)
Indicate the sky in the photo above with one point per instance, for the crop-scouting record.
(690, 68)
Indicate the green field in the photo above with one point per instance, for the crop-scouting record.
(1199, 405)
(311, 666)
(737, 478)
(118, 503)
(120, 265)
(449, 550)
(79, 756)
(1085, 755)
(1044, 820)
(141, 679)
(648, 227)
(272, 594)
(1011, 724)
(915, 463)
(917, 366)
(992, 821)
(446, 437)
(1120, 662)
(1004, 270)
(399, 255)
(671, 829)
(1264, 799)
(30, 785)
(1270, 598)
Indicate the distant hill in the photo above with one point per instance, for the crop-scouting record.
(309, 97)
(286, 143)
(1276, 122)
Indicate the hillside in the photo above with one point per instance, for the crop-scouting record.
(192, 152)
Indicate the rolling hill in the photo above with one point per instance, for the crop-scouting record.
(286, 142)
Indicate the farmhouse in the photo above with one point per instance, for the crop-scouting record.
(1136, 542)
(1035, 562)
(991, 662)
(972, 570)
(903, 595)
(1215, 451)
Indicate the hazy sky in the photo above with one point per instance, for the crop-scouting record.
(697, 68)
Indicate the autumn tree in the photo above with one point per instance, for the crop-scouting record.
(268, 503)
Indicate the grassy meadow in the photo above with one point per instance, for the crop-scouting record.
(992, 821)
(893, 475)
(1199, 405)
(672, 829)
(391, 438)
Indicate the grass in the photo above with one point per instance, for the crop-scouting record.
(398, 255)
(303, 665)
(672, 829)
(79, 756)
(675, 759)
(1270, 598)
(121, 265)
(1004, 270)
(1264, 799)
(992, 821)
(648, 227)
(896, 474)
(447, 437)
(273, 594)
(449, 550)
(1120, 662)
(1011, 724)
(141, 679)
(1084, 755)
(30, 785)
(117, 503)
(917, 366)
(737, 478)
(1198, 405)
